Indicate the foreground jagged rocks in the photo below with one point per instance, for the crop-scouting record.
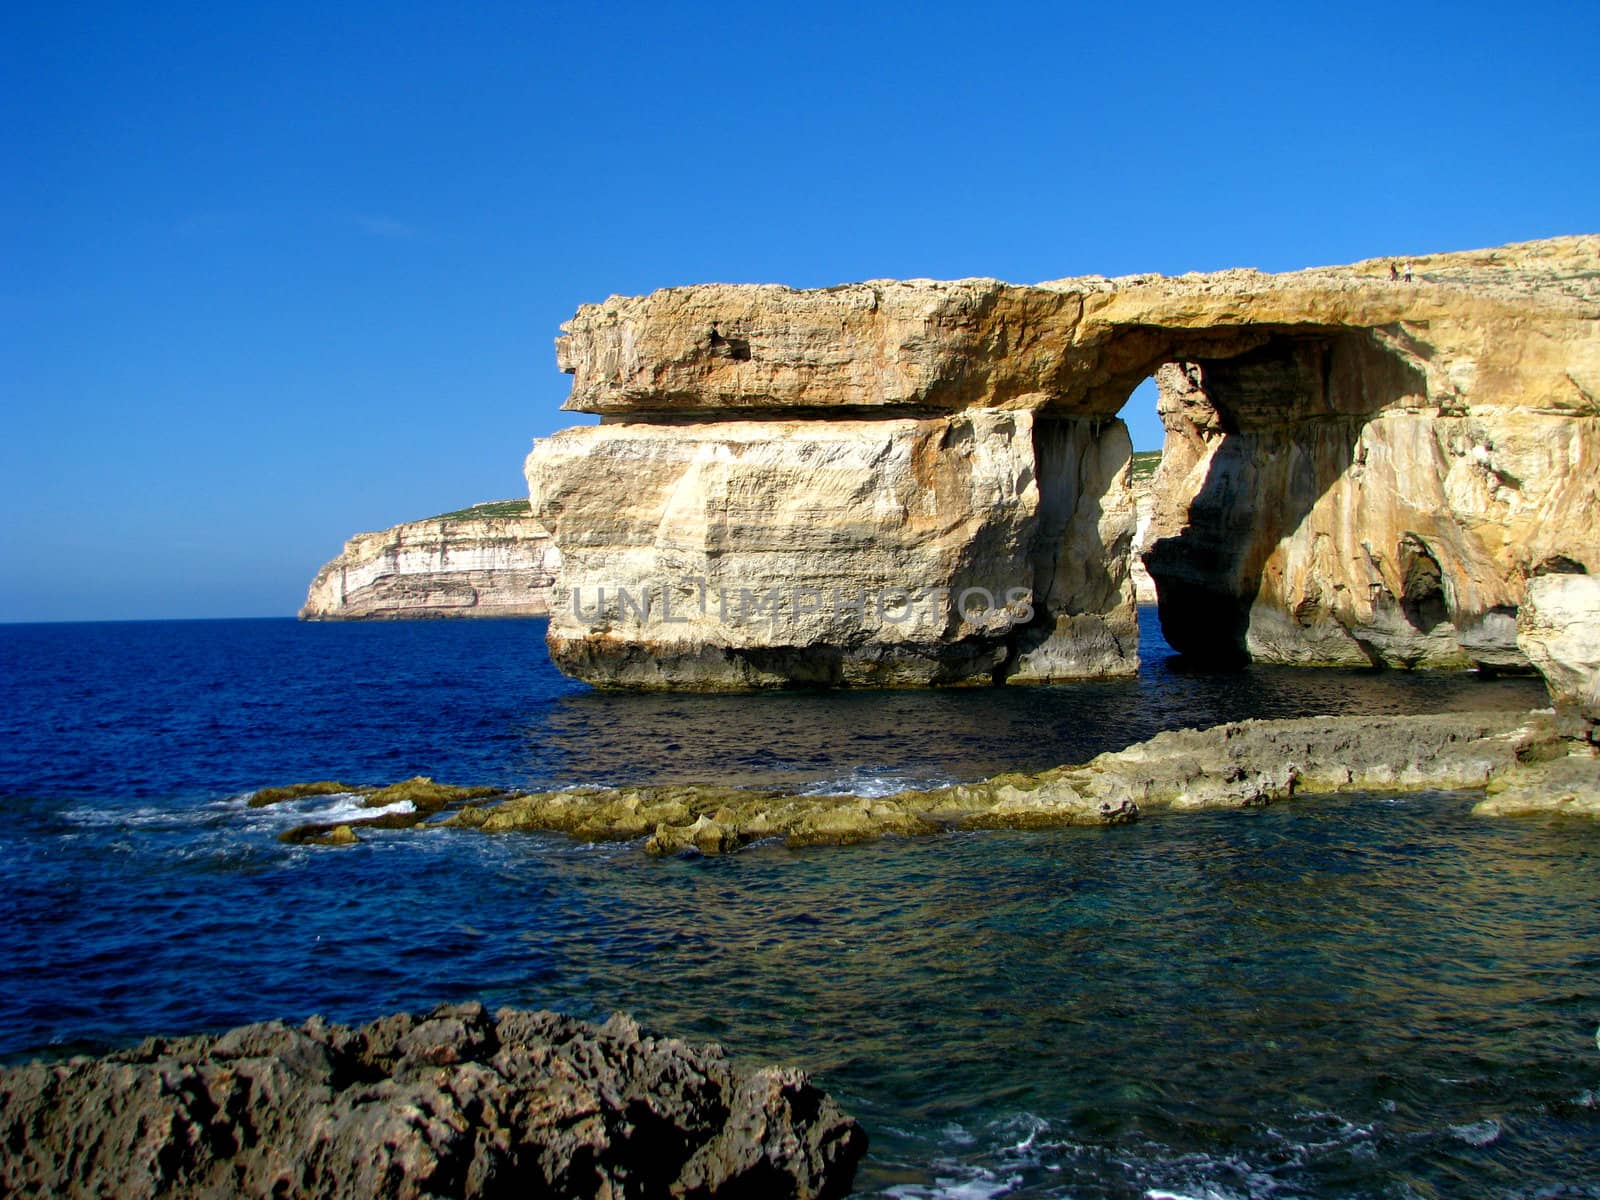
(455, 1103)
(490, 561)
(902, 483)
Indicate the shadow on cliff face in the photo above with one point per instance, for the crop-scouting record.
(1083, 626)
(1281, 423)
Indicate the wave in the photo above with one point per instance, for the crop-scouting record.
(1024, 1154)
(1477, 1133)
(331, 809)
(875, 783)
(201, 831)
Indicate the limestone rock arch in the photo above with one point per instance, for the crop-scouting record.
(1356, 471)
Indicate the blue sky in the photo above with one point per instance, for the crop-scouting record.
(271, 275)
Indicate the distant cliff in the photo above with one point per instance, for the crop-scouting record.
(1142, 479)
(491, 560)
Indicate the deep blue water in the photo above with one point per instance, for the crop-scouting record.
(1368, 996)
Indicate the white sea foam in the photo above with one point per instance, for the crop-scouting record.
(1166, 1174)
(353, 810)
(334, 808)
(137, 818)
(234, 811)
(1025, 1128)
(976, 1184)
(958, 1135)
(1202, 1189)
(1478, 1133)
(863, 782)
(1015, 1142)
(1339, 1134)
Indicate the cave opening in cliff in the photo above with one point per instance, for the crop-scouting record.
(1261, 429)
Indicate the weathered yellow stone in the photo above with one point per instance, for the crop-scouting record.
(1357, 470)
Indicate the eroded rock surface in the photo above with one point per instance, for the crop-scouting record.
(1356, 470)
(715, 820)
(460, 566)
(1248, 763)
(1239, 765)
(895, 552)
(1525, 760)
(1558, 628)
(452, 1103)
(1567, 784)
(1144, 507)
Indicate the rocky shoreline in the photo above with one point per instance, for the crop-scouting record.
(455, 1102)
(1524, 762)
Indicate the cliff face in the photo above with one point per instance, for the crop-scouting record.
(1558, 628)
(1383, 523)
(1144, 507)
(443, 567)
(865, 552)
(1356, 470)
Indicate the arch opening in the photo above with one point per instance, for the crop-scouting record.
(1252, 535)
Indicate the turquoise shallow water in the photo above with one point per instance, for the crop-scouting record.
(1368, 996)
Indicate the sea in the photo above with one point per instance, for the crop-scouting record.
(1376, 995)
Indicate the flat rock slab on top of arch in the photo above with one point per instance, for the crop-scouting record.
(1074, 346)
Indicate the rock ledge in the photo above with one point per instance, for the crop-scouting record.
(1523, 760)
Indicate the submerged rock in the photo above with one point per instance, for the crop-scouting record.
(453, 1103)
(716, 820)
(1568, 785)
(339, 835)
(266, 797)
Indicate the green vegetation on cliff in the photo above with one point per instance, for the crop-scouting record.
(1145, 463)
(489, 508)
